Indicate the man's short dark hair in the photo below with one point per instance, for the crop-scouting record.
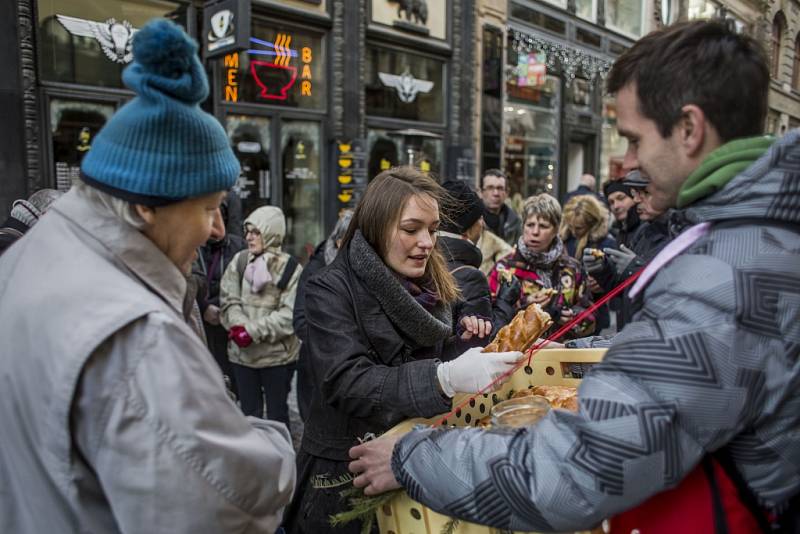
(497, 173)
(702, 63)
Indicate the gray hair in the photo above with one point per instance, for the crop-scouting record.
(110, 205)
(331, 248)
(544, 206)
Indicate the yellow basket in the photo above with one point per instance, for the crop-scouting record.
(551, 367)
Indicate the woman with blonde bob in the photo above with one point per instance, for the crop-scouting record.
(378, 328)
(548, 275)
(585, 226)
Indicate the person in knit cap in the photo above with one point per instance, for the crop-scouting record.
(115, 415)
(460, 230)
(24, 214)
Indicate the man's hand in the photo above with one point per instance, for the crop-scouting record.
(372, 463)
(211, 315)
(510, 290)
(475, 326)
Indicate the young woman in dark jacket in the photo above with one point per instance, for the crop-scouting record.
(378, 326)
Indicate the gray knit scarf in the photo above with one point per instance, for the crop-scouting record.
(542, 262)
(425, 329)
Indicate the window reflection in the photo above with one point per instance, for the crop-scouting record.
(418, 148)
(68, 46)
(250, 140)
(625, 16)
(300, 152)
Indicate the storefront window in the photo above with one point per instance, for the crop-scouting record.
(612, 151)
(250, 140)
(387, 148)
(702, 9)
(624, 16)
(283, 67)
(402, 85)
(531, 127)
(73, 125)
(300, 153)
(89, 42)
(586, 9)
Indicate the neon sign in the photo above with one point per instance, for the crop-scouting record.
(231, 64)
(276, 77)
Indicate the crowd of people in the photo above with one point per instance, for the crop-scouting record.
(150, 343)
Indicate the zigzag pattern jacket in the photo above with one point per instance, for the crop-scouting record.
(711, 361)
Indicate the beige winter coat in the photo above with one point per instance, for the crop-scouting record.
(266, 315)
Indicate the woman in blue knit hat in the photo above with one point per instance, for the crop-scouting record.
(115, 416)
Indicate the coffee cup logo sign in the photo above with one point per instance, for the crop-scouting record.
(222, 30)
(115, 38)
(277, 76)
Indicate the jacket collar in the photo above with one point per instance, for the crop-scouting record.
(459, 250)
(127, 245)
(426, 329)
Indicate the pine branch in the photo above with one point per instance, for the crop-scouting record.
(451, 526)
(362, 507)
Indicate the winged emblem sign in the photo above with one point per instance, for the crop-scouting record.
(406, 85)
(115, 38)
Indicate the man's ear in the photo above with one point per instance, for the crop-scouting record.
(147, 213)
(693, 130)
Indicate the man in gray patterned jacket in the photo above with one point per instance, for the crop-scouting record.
(710, 362)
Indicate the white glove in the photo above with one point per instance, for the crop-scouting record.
(474, 370)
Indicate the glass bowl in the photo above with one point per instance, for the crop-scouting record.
(519, 412)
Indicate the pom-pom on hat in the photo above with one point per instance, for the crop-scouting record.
(161, 147)
(463, 208)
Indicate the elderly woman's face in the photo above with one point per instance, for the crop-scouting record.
(538, 233)
(178, 229)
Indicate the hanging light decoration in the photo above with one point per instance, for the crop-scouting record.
(568, 60)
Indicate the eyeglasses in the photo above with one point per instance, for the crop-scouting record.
(498, 188)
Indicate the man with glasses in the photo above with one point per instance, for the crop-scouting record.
(500, 219)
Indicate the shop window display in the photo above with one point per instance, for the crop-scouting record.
(89, 42)
(73, 125)
(612, 150)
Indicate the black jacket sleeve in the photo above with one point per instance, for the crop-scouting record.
(348, 372)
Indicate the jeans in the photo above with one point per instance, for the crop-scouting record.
(270, 382)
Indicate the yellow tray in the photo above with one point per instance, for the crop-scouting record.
(552, 367)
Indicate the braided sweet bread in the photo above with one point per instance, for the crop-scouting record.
(526, 327)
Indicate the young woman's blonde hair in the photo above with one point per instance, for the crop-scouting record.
(378, 214)
(589, 211)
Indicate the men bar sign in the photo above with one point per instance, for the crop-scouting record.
(226, 27)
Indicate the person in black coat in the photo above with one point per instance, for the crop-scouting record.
(378, 329)
(213, 259)
(323, 255)
(462, 225)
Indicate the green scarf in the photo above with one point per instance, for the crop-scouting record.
(721, 166)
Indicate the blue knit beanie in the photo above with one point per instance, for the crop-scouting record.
(161, 147)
